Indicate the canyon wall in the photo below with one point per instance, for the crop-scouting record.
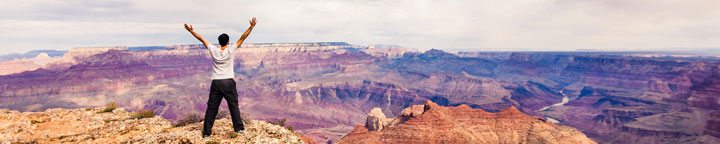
(323, 89)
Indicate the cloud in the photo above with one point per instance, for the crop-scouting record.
(453, 25)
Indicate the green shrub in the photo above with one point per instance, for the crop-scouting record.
(109, 107)
(142, 114)
(189, 119)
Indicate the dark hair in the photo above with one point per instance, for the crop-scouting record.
(223, 38)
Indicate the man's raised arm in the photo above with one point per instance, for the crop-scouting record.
(189, 28)
(247, 32)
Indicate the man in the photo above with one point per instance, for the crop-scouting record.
(223, 85)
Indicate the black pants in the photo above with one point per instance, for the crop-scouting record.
(219, 89)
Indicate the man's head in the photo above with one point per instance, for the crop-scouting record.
(223, 39)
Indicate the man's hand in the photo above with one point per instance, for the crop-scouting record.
(188, 27)
(252, 22)
(247, 32)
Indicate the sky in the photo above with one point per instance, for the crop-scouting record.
(468, 25)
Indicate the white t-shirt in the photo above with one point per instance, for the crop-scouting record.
(223, 62)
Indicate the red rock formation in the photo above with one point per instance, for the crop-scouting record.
(462, 124)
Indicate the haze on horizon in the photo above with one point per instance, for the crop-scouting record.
(537, 25)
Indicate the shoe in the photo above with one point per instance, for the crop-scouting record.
(240, 132)
(206, 137)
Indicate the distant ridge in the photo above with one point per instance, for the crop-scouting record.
(31, 54)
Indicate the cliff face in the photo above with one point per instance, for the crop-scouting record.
(323, 89)
(88, 126)
(431, 123)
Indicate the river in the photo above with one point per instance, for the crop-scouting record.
(562, 102)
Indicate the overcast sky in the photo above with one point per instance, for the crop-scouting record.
(446, 24)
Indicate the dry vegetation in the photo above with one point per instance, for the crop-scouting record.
(109, 107)
(142, 114)
(189, 119)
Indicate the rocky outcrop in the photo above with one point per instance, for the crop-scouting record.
(388, 51)
(89, 126)
(376, 120)
(431, 123)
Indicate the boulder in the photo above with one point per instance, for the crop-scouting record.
(413, 111)
(118, 110)
(375, 120)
